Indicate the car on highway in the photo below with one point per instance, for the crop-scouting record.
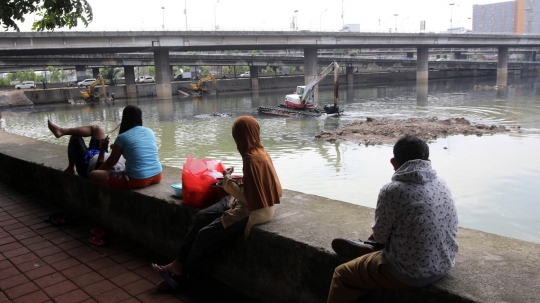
(86, 82)
(441, 59)
(244, 75)
(26, 84)
(147, 79)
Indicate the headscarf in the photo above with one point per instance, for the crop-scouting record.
(261, 183)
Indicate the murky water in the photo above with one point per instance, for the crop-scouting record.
(494, 179)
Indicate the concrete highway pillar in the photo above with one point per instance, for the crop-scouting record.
(533, 56)
(163, 74)
(131, 87)
(95, 72)
(502, 66)
(350, 75)
(475, 72)
(457, 55)
(254, 77)
(81, 72)
(422, 74)
(310, 69)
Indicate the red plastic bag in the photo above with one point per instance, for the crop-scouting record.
(198, 176)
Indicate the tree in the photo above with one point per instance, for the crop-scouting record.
(53, 13)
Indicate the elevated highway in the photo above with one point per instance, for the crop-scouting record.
(16, 63)
(161, 43)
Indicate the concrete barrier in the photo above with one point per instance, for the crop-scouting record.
(288, 259)
(62, 94)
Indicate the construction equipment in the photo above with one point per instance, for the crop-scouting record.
(201, 86)
(94, 95)
(302, 102)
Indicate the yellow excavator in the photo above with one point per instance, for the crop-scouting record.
(94, 95)
(201, 86)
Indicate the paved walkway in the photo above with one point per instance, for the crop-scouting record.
(43, 263)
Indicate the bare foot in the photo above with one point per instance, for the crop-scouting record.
(55, 129)
(69, 171)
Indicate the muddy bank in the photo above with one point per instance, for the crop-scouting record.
(14, 98)
(387, 131)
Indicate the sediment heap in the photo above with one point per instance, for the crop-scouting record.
(14, 98)
(386, 130)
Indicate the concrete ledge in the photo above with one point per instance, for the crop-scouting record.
(286, 260)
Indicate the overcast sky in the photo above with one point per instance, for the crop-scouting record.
(373, 15)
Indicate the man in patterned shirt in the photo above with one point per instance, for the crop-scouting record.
(417, 222)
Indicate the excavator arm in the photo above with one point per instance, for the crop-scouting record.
(89, 94)
(199, 85)
(309, 87)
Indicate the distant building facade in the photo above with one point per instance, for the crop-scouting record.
(512, 17)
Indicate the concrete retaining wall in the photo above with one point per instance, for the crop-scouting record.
(288, 259)
(62, 94)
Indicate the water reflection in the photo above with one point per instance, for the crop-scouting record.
(493, 178)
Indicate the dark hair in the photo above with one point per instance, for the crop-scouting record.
(409, 148)
(131, 117)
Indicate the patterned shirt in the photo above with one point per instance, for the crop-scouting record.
(417, 220)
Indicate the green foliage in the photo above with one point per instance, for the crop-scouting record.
(27, 75)
(52, 13)
(205, 71)
(152, 71)
(107, 72)
(110, 72)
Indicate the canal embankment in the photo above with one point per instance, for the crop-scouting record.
(288, 259)
(55, 94)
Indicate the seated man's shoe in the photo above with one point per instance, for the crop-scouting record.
(351, 249)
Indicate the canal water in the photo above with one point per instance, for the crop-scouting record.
(495, 179)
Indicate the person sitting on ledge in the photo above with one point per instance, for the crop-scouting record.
(416, 223)
(249, 204)
(79, 155)
(138, 146)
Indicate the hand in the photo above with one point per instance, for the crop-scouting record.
(228, 171)
(104, 144)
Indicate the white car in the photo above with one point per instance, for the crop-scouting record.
(86, 82)
(147, 79)
(244, 75)
(441, 59)
(25, 84)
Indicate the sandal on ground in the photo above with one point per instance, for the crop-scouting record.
(164, 286)
(164, 273)
(97, 241)
(98, 232)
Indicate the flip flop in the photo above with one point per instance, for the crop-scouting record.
(97, 241)
(164, 273)
(98, 232)
(164, 286)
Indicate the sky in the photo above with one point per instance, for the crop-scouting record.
(314, 15)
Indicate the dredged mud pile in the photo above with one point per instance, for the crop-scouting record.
(373, 132)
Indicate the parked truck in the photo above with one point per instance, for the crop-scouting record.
(350, 28)
(183, 76)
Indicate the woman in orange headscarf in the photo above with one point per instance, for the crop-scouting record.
(248, 204)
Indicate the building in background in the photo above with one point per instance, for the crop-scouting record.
(512, 17)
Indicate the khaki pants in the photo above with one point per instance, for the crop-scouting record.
(355, 278)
